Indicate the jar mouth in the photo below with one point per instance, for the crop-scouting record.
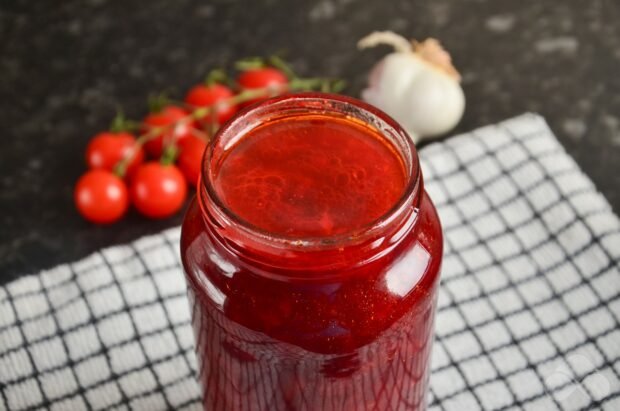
(212, 205)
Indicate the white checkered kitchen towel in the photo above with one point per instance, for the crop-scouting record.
(528, 314)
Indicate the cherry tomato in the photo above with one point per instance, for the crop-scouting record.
(260, 78)
(205, 96)
(165, 117)
(158, 190)
(190, 158)
(101, 197)
(106, 149)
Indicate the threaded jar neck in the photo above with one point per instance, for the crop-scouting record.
(276, 250)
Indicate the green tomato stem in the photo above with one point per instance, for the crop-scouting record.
(169, 155)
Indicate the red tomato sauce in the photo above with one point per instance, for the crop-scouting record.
(340, 326)
(311, 176)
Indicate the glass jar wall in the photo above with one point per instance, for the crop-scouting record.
(312, 255)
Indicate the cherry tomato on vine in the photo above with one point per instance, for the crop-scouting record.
(106, 149)
(101, 197)
(158, 190)
(190, 158)
(162, 118)
(261, 78)
(208, 95)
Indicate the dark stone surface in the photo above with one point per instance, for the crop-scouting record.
(65, 67)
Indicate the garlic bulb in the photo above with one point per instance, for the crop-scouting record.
(416, 84)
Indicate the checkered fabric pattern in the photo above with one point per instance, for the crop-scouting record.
(528, 313)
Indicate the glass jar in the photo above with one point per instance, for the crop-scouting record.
(339, 322)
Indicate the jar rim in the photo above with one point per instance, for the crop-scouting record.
(247, 119)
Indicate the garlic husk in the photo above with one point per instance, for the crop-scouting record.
(416, 84)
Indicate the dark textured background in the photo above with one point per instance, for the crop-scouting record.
(65, 66)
